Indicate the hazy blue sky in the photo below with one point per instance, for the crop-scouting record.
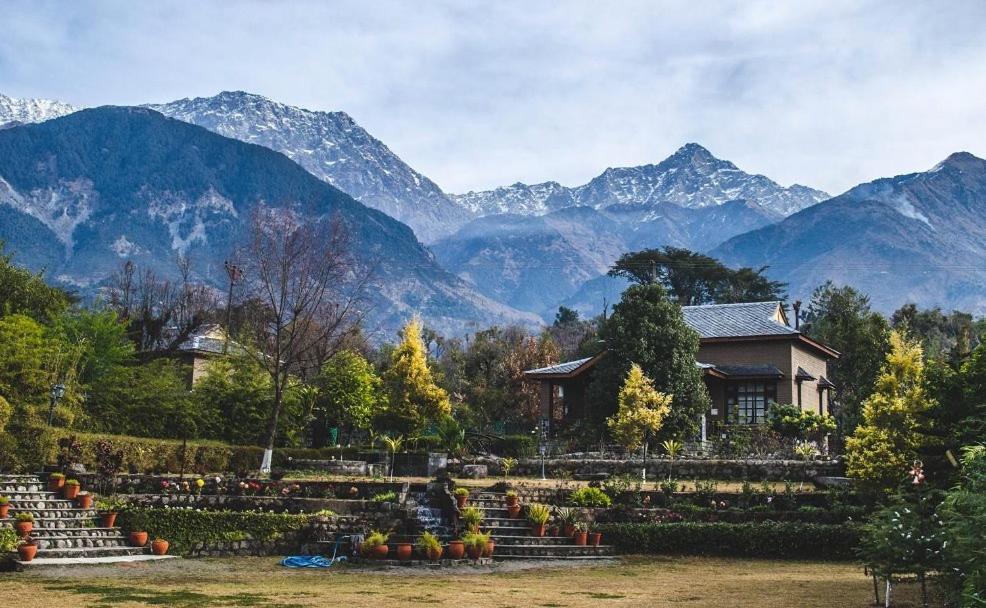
(476, 95)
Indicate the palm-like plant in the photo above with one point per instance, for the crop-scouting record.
(393, 445)
(672, 447)
(805, 450)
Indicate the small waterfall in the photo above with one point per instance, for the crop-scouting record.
(429, 518)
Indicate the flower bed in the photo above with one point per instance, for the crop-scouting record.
(765, 540)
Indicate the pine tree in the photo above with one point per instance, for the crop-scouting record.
(413, 397)
(640, 412)
(889, 438)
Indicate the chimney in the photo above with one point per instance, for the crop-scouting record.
(797, 313)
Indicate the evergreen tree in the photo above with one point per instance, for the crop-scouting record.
(841, 318)
(640, 411)
(889, 437)
(348, 390)
(413, 398)
(648, 329)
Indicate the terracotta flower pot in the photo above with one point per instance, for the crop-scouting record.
(513, 500)
(581, 538)
(27, 552)
(456, 549)
(85, 501)
(380, 551)
(460, 501)
(435, 554)
(55, 485)
(568, 530)
(513, 511)
(553, 531)
(3, 511)
(159, 547)
(595, 538)
(24, 527)
(538, 530)
(488, 550)
(107, 519)
(404, 551)
(475, 551)
(138, 539)
(70, 492)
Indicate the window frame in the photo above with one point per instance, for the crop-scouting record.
(750, 412)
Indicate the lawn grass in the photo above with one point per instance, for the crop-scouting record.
(651, 582)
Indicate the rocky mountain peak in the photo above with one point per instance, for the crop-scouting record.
(26, 110)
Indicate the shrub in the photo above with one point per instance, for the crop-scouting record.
(515, 446)
(476, 540)
(8, 540)
(590, 497)
(428, 542)
(461, 492)
(472, 517)
(538, 514)
(185, 528)
(390, 496)
(24, 517)
(376, 539)
(766, 539)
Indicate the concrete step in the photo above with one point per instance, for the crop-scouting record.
(94, 532)
(55, 523)
(41, 562)
(30, 491)
(79, 542)
(88, 552)
(541, 551)
(599, 558)
(46, 514)
(532, 540)
(22, 503)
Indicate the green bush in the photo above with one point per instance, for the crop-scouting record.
(516, 446)
(590, 497)
(8, 540)
(184, 528)
(766, 539)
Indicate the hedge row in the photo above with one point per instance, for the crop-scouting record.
(764, 539)
(185, 528)
(147, 455)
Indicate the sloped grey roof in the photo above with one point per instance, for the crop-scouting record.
(751, 371)
(803, 374)
(561, 368)
(736, 320)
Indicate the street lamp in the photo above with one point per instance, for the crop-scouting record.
(56, 393)
(235, 273)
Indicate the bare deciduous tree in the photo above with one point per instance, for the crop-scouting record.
(300, 278)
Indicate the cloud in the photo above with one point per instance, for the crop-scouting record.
(476, 95)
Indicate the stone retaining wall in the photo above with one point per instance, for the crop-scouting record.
(750, 470)
(276, 504)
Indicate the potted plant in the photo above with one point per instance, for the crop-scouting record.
(513, 498)
(27, 549)
(538, 515)
(553, 530)
(581, 533)
(84, 500)
(430, 546)
(108, 510)
(456, 549)
(475, 543)
(595, 538)
(375, 545)
(461, 495)
(404, 551)
(55, 482)
(567, 517)
(472, 517)
(138, 538)
(4, 507)
(490, 545)
(159, 546)
(71, 489)
(25, 523)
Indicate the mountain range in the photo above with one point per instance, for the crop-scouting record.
(82, 193)
(493, 256)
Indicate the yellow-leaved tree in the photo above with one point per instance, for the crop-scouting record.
(413, 398)
(884, 445)
(640, 412)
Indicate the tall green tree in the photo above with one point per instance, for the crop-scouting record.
(889, 438)
(648, 329)
(24, 292)
(841, 318)
(348, 391)
(640, 410)
(964, 516)
(413, 398)
(943, 336)
(694, 278)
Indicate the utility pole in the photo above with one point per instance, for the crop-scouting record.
(235, 273)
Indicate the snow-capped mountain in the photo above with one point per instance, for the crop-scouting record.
(917, 238)
(26, 110)
(334, 148)
(691, 177)
(81, 194)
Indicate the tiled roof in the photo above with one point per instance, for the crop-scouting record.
(751, 371)
(210, 339)
(561, 368)
(736, 320)
(824, 382)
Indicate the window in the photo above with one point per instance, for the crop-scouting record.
(747, 401)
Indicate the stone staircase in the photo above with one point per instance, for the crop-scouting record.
(514, 540)
(63, 532)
